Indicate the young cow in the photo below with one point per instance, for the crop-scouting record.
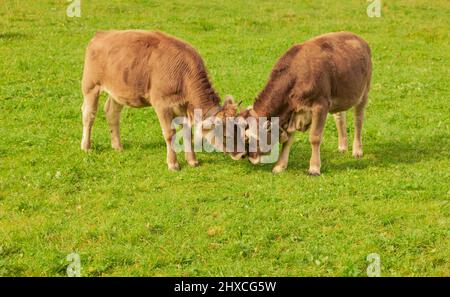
(141, 68)
(327, 74)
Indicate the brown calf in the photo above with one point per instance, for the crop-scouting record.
(327, 74)
(142, 68)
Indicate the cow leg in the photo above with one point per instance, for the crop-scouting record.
(189, 153)
(89, 110)
(112, 113)
(359, 119)
(319, 117)
(341, 125)
(165, 116)
(283, 159)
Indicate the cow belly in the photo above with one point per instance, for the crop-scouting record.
(134, 100)
(343, 104)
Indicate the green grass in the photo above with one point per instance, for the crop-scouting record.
(126, 214)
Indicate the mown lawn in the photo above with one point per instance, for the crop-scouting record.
(126, 214)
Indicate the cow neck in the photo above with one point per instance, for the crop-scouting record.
(204, 97)
(272, 108)
(211, 111)
(284, 112)
(208, 106)
(273, 100)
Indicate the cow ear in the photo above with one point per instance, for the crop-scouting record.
(292, 125)
(283, 137)
(229, 100)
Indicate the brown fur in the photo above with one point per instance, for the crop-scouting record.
(133, 65)
(143, 68)
(329, 73)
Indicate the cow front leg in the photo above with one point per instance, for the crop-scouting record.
(165, 116)
(283, 159)
(89, 110)
(319, 117)
(112, 114)
(189, 153)
(341, 125)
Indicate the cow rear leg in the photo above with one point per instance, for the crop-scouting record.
(341, 125)
(319, 117)
(283, 160)
(112, 114)
(165, 116)
(359, 120)
(89, 110)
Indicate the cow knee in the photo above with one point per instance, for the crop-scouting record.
(169, 135)
(315, 140)
(88, 116)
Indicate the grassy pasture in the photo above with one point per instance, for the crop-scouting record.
(126, 214)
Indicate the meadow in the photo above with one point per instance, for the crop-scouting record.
(126, 214)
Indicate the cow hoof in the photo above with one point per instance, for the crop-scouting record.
(118, 148)
(357, 154)
(278, 169)
(193, 163)
(342, 150)
(314, 172)
(174, 167)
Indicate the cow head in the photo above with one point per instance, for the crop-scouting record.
(216, 127)
(261, 134)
